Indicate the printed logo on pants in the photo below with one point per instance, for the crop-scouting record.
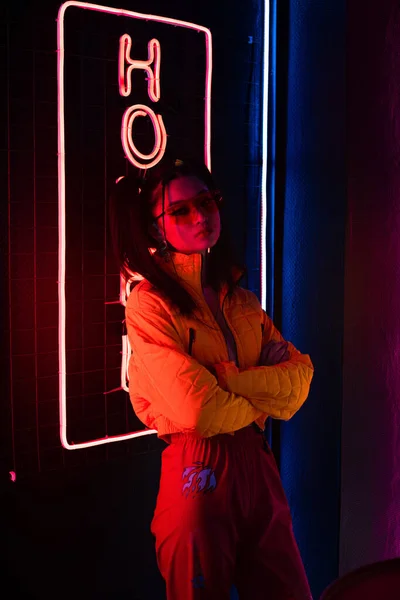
(198, 479)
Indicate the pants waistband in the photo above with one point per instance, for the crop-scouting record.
(245, 432)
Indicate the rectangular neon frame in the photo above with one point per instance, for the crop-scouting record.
(61, 192)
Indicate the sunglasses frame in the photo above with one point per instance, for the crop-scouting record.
(215, 194)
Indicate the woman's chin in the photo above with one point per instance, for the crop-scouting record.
(207, 241)
(204, 246)
(200, 244)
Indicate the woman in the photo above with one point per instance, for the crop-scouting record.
(207, 368)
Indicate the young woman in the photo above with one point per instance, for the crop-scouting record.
(207, 369)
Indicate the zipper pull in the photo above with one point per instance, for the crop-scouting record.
(192, 337)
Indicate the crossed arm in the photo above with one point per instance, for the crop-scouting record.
(194, 399)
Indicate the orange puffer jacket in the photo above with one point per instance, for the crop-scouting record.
(180, 376)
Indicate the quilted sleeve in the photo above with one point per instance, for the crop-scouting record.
(270, 332)
(176, 385)
(278, 390)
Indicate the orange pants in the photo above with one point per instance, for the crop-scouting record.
(222, 518)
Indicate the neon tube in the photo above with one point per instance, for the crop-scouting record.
(160, 135)
(153, 77)
(264, 159)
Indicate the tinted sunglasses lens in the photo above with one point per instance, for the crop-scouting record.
(184, 212)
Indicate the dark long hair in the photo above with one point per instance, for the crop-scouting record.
(131, 221)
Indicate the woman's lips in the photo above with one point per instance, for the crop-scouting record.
(204, 232)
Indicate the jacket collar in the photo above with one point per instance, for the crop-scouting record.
(186, 268)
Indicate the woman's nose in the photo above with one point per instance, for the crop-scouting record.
(199, 214)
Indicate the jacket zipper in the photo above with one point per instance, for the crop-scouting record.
(192, 335)
(218, 325)
(230, 329)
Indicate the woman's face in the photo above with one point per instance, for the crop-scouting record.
(191, 216)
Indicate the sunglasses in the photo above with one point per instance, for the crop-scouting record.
(206, 202)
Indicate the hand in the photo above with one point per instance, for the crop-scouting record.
(274, 353)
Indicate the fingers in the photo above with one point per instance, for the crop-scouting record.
(274, 353)
(280, 355)
(273, 346)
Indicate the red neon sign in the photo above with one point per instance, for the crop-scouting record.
(141, 110)
(126, 65)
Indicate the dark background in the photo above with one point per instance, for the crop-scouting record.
(76, 522)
